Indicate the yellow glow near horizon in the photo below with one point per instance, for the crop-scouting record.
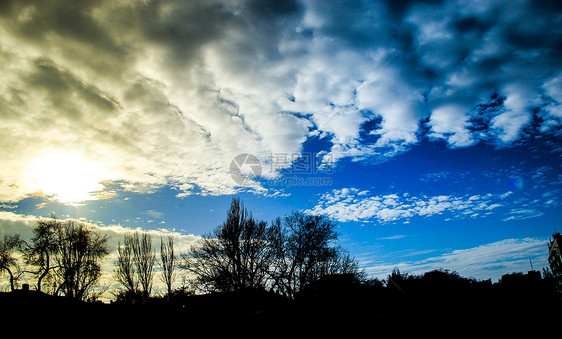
(67, 177)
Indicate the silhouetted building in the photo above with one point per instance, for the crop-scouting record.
(555, 258)
(534, 275)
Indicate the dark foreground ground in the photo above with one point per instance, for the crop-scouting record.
(438, 306)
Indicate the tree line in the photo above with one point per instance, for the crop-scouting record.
(64, 257)
(283, 256)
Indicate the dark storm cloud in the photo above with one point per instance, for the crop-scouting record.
(482, 50)
(60, 85)
(52, 24)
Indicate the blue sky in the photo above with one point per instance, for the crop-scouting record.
(429, 130)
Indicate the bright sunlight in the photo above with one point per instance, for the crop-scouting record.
(67, 177)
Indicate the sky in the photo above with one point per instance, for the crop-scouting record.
(430, 131)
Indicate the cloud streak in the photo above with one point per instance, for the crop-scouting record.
(486, 261)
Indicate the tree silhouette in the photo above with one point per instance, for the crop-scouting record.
(124, 270)
(284, 256)
(79, 253)
(234, 256)
(9, 245)
(134, 268)
(41, 250)
(168, 260)
(144, 261)
(287, 272)
(304, 252)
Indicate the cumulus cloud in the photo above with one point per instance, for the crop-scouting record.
(168, 93)
(450, 122)
(352, 204)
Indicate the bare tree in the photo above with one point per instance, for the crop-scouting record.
(256, 254)
(144, 259)
(9, 245)
(284, 256)
(281, 263)
(125, 271)
(80, 250)
(40, 253)
(168, 259)
(134, 268)
(234, 256)
(304, 251)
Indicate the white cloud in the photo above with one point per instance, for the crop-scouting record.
(351, 204)
(553, 88)
(554, 108)
(517, 104)
(392, 97)
(450, 122)
(13, 223)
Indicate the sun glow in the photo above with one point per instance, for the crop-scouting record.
(67, 177)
